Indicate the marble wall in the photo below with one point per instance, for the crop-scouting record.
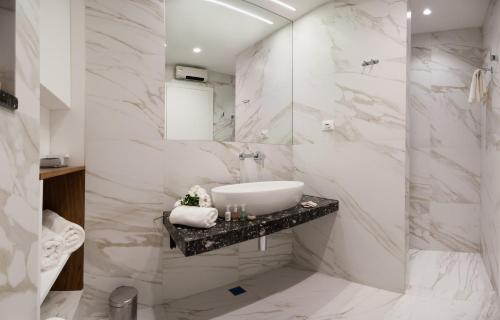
(362, 162)
(264, 90)
(124, 155)
(133, 174)
(211, 164)
(224, 101)
(20, 219)
(445, 141)
(490, 152)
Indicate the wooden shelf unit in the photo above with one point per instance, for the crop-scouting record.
(64, 193)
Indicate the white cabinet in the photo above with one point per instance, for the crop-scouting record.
(55, 54)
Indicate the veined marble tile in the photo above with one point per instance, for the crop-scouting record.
(124, 81)
(264, 90)
(123, 197)
(19, 168)
(277, 165)
(329, 82)
(367, 227)
(61, 304)
(183, 277)
(209, 164)
(455, 175)
(278, 254)
(490, 153)
(454, 275)
(415, 307)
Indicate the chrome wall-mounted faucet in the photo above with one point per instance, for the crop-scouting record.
(257, 156)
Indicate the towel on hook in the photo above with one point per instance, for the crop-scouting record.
(477, 87)
(52, 249)
(194, 216)
(72, 234)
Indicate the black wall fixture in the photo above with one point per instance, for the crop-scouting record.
(8, 54)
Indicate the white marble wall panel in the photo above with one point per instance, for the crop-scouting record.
(490, 153)
(362, 161)
(445, 141)
(19, 186)
(224, 101)
(124, 150)
(211, 164)
(264, 80)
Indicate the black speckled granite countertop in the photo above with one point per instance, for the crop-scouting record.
(193, 241)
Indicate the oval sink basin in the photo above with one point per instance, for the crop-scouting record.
(258, 197)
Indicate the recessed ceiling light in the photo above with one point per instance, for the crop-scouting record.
(197, 50)
(408, 14)
(223, 4)
(289, 7)
(427, 11)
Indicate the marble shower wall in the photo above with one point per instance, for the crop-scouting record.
(490, 153)
(20, 218)
(362, 162)
(211, 164)
(124, 150)
(224, 101)
(264, 90)
(445, 141)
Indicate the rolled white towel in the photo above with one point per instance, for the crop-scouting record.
(52, 249)
(72, 234)
(194, 216)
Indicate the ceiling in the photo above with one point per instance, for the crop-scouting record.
(222, 33)
(447, 14)
(302, 7)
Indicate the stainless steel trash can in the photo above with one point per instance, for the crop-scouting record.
(123, 304)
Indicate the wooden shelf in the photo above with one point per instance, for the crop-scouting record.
(49, 277)
(64, 193)
(47, 173)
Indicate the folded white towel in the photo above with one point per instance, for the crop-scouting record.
(478, 88)
(52, 249)
(194, 216)
(72, 234)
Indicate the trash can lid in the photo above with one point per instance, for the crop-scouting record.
(122, 296)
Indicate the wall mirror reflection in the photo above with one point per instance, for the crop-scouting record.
(228, 72)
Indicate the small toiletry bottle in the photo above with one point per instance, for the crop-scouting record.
(227, 214)
(243, 214)
(235, 215)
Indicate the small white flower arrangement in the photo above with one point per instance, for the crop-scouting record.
(196, 197)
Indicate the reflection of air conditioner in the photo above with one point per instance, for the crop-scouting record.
(189, 73)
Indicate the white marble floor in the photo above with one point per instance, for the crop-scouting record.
(441, 286)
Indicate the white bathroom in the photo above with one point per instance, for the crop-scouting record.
(249, 159)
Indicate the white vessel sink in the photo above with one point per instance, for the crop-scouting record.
(258, 197)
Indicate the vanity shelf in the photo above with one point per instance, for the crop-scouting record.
(193, 241)
(64, 193)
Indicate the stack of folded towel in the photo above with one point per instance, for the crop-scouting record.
(194, 216)
(59, 237)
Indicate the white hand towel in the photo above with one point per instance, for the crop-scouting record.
(194, 216)
(52, 249)
(72, 234)
(477, 87)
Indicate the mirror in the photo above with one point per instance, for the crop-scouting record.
(228, 72)
(7, 38)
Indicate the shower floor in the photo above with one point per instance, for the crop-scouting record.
(441, 286)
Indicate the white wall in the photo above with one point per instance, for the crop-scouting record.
(362, 162)
(55, 48)
(444, 141)
(68, 126)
